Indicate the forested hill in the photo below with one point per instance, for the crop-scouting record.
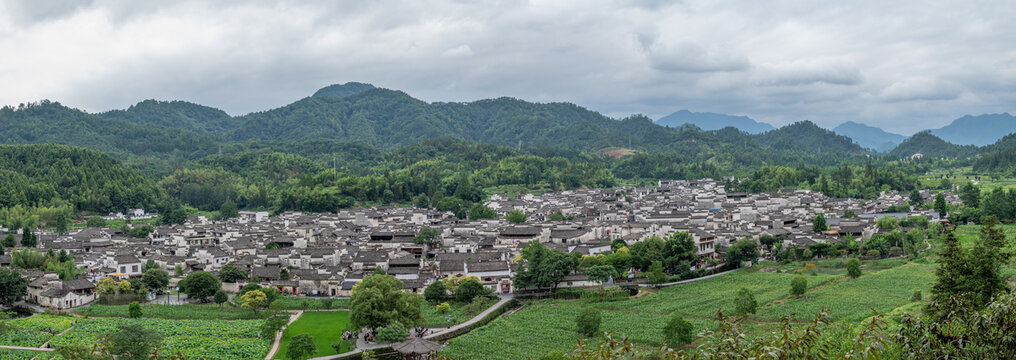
(929, 145)
(170, 134)
(51, 122)
(177, 114)
(49, 175)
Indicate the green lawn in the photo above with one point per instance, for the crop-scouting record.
(326, 327)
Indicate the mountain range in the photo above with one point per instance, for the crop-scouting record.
(342, 119)
(979, 130)
(870, 137)
(714, 121)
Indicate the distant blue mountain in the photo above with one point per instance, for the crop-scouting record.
(714, 121)
(977, 130)
(869, 136)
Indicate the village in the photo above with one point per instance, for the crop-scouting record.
(324, 255)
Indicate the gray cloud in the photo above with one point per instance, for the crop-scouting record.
(904, 66)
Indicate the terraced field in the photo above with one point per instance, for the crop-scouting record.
(549, 325)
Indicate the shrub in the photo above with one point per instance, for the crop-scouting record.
(301, 347)
(134, 310)
(854, 268)
(798, 286)
(443, 308)
(678, 331)
(588, 322)
(474, 307)
(916, 296)
(392, 333)
(745, 302)
(220, 297)
(328, 303)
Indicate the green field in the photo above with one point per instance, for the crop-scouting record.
(326, 327)
(188, 311)
(457, 315)
(194, 339)
(549, 325)
(308, 303)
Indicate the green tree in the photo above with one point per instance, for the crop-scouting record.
(28, 237)
(13, 286)
(679, 251)
(284, 274)
(678, 331)
(819, 223)
(96, 222)
(887, 222)
(744, 302)
(542, 267)
(940, 205)
(429, 238)
(656, 274)
(9, 241)
(435, 292)
(422, 201)
(378, 300)
(469, 289)
(155, 279)
(854, 268)
(200, 285)
(254, 300)
(516, 216)
(740, 251)
(587, 323)
(220, 297)
(301, 347)
(621, 261)
(274, 322)
(231, 273)
(178, 270)
(970, 194)
(600, 273)
(133, 341)
(645, 252)
(228, 210)
(480, 211)
(798, 286)
(134, 310)
(915, 198)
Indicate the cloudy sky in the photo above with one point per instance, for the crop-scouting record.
(900, 65)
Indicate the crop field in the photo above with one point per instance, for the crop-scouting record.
(180, 312)
(34, 331)
(457, 315)
(326, 327)
(549, 325)
(6, 354)
(853, 300)
(298, 303)
(194, 339)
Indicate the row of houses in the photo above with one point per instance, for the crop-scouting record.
(325, 254)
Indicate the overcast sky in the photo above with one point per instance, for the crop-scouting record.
(900, 65)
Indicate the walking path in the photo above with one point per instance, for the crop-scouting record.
(278, 336)
(24, 348)
(361, 343)
(689, 280)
